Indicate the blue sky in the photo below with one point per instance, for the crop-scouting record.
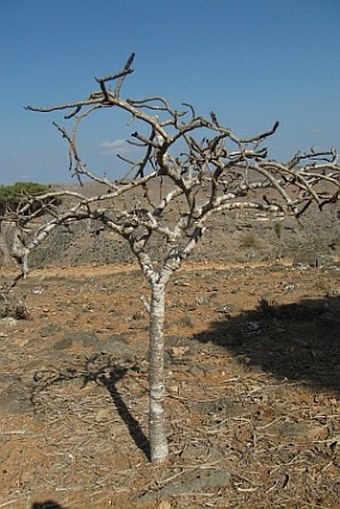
(251, 61)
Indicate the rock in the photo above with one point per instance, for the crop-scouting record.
(192, 481)
(292, 430)
(208, 367)
(103, 415)
(226, 405)
(47, 331)
(16, 399)
(252, 327)
(296, 429)
(171, 341)
(167, 358)
(84, 338)
(191, 345)
(115, 344)
(202, 300)
(195, 370)
(62, 343)
(81, 338)
(8, 322)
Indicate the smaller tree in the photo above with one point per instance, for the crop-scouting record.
(190, 168)
(24, 200)
(20, 203)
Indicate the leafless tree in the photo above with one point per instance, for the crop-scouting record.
(200, 168)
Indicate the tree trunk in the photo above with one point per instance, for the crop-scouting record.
(157, 436)
(7, 258)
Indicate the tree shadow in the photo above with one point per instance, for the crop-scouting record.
(109, 375)
(299, 341)
(48, 504)
(103, 370)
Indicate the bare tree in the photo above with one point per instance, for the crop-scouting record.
(199, 168)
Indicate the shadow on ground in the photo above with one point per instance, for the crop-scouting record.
(298, 342)
(101, 369)
(108, 375)
(49, 504)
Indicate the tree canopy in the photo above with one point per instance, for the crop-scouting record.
(13, 196)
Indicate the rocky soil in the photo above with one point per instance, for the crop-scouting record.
(252, 365)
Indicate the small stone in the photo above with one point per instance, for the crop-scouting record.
(47, 331)
(208, 367)
(296, 429)
(103, 415)
(164, 505)
(202, 299)
(16, 399)
(195, 370)
(8, 322)
(115, 344)
(252, 327)
(62, 343)
(179, 351)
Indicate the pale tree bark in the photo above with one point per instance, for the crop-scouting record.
(200, 168)
(8, 260)
(159, 449)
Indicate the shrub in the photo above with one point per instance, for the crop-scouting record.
(12, 307)
(278, 229)
(248, 241)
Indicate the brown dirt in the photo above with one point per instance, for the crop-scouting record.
(253, 380)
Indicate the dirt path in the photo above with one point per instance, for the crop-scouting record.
(103, 270)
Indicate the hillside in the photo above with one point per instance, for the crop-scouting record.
(230, 238)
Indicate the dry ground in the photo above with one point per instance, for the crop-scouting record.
(253, 380)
